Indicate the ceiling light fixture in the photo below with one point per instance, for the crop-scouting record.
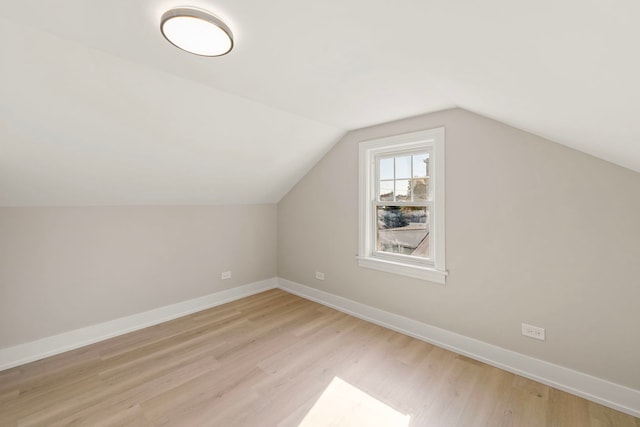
(196, 31)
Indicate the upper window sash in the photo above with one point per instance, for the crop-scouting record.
(411, 179)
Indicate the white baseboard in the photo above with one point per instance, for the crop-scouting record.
(613, 395)
(49, 346)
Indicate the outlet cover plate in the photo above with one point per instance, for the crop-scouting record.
(531, 331)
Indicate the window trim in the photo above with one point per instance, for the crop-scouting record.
(434, 269)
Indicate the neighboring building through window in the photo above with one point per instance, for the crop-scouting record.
(402, 204)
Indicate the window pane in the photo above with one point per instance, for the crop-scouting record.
(386, 191)
(420, 189)
(403, 230)
(403, 190)
(420, 165)
(386, 168)
(403, 167)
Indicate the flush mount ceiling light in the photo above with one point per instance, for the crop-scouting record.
(196, 31)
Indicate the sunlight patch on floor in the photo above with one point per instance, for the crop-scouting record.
(342, 404)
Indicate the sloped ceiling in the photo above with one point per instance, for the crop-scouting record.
(97, 108)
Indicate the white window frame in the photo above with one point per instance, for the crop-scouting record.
(432, 269)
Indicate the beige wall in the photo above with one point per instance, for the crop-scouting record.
(535, 232)
(66, 268)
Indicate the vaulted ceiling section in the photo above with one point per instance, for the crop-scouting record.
(96, 108)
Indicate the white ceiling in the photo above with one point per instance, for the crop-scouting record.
(97, 108)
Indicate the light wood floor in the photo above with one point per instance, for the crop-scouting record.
(267, 360)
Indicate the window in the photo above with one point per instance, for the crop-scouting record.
(402, 205)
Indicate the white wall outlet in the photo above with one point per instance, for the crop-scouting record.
(533, 331)
(225, 275)
(319, 275)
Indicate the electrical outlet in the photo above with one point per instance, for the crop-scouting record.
(533, 331)
(225, 275)
(319, 275)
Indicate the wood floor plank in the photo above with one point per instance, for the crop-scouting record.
(604, 417)
(567, 410)
(488, 404)
(269, 360)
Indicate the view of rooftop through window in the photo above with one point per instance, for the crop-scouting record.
(403, 204)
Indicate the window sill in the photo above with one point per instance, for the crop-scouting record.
(415, 271)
